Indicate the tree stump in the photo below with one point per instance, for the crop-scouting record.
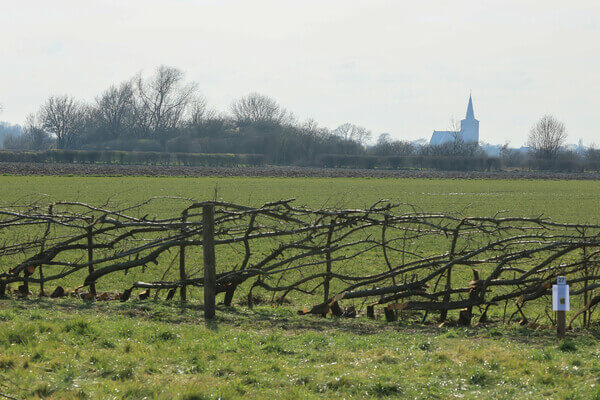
(464, 317)
(371, 311)
(390, 314)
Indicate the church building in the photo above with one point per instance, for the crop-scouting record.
(469, 130)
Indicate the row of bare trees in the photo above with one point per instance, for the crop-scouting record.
(138, 108)
(389, 255)
(165, 112)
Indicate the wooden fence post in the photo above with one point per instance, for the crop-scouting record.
(444, 312)
(24, 288)
(586, 316)
(42, 247)
(90, 250)
(208, 248)
(561, 324)
(328, 260)
(182, 274)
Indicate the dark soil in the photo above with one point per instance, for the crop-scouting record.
(278, 171)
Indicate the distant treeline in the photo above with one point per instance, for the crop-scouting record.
(565, 162)
(363, 161)
(7, 129)
(164, 113)
(162, 119)
(445, 163)
(133, 158)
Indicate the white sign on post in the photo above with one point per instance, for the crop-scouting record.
(560, 295)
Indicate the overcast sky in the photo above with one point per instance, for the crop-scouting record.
(402, 67)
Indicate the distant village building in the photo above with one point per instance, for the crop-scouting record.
(469, 130)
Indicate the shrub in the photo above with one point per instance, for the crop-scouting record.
(134, 157)
(444, 163)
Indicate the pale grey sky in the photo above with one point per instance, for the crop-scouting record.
(403, 67)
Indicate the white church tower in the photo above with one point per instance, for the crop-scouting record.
(469, 130)
(469, 127)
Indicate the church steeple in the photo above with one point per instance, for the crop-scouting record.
(470, 113)
(469, 129)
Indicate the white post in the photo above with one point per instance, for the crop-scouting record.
(560, 304)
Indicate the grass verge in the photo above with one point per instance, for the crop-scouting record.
(70, 349)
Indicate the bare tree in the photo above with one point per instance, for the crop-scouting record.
(259, 109)
(387, 146)
(31, 137)
(34, 135)
(310, 128)
(383, 145)
(547, 136)
(384, 139)
(65, 118)
(163, 100)
(457, 144)
(199, 112)
(115, 109)
(349, 131)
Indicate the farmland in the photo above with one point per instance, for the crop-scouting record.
(561, 200)
(67, 348)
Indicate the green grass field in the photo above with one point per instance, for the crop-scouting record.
(572, 201)
(134, 350)
(72, 349)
